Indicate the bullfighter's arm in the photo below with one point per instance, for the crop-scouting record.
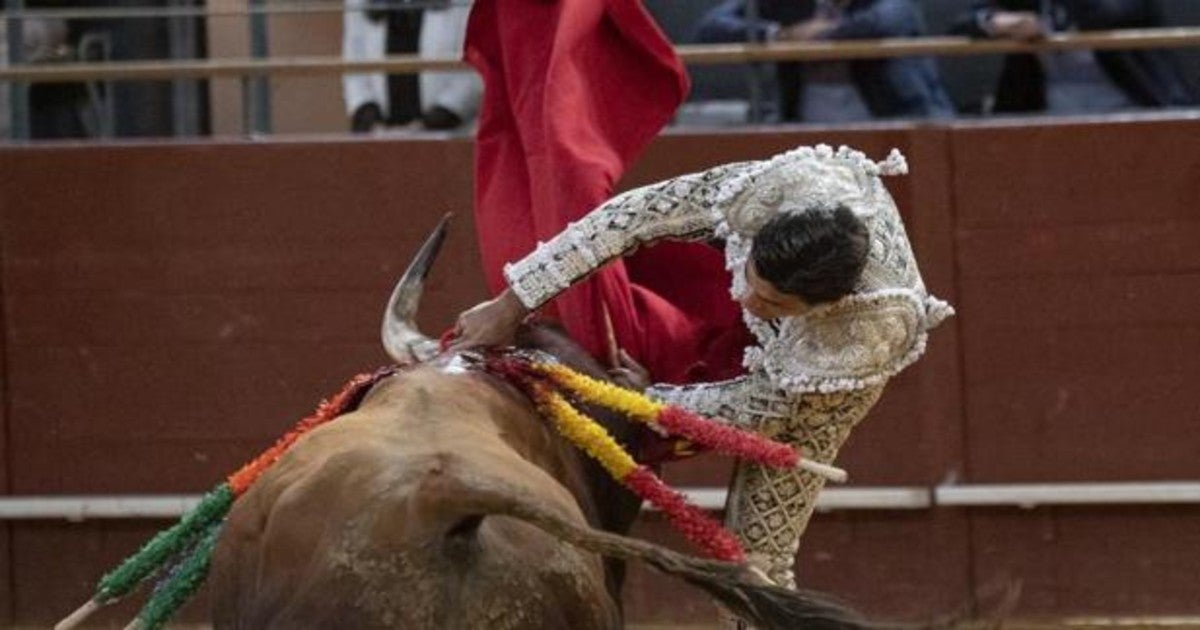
(706, 399)
(752, 402)
(676, 209)
(747, 401)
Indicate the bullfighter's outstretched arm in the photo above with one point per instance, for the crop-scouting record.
(749, 401)
(675, 209)
(746, 401)
(709, 399)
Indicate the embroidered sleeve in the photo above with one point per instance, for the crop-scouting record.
(748, 401)
(752, 402)
(712, 400)
(678, 209)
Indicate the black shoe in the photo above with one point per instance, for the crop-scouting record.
(366, 118)
(440, 119)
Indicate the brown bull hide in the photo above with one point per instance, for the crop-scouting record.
(445, 501)
(367, 522)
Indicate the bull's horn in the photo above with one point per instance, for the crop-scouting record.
(401, 339)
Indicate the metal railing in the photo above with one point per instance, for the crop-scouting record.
(256, 71)
(297, 8)
(692, 54)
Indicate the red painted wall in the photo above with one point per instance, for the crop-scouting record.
(6, 588)
(169, 309)
(1080, 332)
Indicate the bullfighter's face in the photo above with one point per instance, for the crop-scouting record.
(764, 301)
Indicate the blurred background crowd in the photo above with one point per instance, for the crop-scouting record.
(1061, 82)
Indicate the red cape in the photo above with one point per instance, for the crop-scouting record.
(574, 90)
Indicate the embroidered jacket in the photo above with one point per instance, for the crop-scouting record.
(855, 343)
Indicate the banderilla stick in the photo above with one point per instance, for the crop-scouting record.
(832, 473)
(77, 617)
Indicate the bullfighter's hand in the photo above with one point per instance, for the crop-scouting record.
(807, 30)
(630, 374)
(1019, 25)
(491, 323)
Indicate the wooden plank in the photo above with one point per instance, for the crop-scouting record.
(1083, 428)
(997, 354)
(271, 315)
(1076, 173)
(1041, 304)
(1077, 277)
(1136, 561)
(186, 241)
(852, 556)
(148, 465)
(1076, 284)
(210, 194)
(6, 585)
(58, 564)
(222, 296)
(226, 232)
(96, 263)
(1080, 377)
(173, 392)
(1077, 360)
(1028, 251)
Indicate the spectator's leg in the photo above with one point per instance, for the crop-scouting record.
(447, 98)
(365, 95)
(791, 90)
(404, 31)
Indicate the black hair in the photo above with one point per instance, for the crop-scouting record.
(817, 255)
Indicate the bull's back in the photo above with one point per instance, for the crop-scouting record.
(372, 521)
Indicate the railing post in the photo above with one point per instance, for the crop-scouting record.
(18, 91)
(259, 87)
(185, 95)
(755, 112)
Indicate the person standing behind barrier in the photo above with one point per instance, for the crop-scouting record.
(448, 99)
(438, 100)
(1075, 81)
(888, 88)
(377, 99)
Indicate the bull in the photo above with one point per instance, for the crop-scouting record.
(445, 501)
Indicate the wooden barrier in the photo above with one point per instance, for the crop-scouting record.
(170, 308)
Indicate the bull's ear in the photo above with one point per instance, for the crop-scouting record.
(401, 339)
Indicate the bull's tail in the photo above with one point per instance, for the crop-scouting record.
(744, 591)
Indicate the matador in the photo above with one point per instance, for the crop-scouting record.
(823, 354)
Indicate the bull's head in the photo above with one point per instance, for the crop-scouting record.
(401, 339)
